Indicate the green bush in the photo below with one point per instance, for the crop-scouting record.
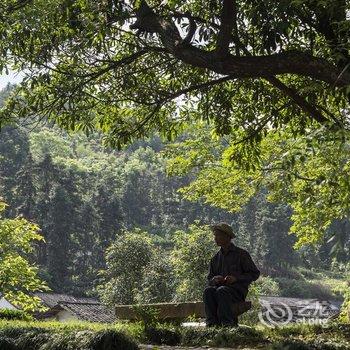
(148, 315)
(266, 285)
(6, 314)
(284, 272)
(303, 289)
(309, 273)
(190, 259)
(158, 281)
(122, 280)
(345, 309)
(32, 338)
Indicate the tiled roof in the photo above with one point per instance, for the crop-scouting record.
(84, 309)
(93, 312)
(297, 302)
(52, 299)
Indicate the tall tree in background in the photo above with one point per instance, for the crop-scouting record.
(80, 195)
(259, 72)
(14, 153)
(262, 229)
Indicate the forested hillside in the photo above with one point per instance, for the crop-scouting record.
(83, 196)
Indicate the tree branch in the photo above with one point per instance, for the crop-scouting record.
(191, 31)
(302, 103)
(194, 88)
(227, 23)
(290, 62)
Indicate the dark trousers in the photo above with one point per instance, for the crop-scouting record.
(218, 302)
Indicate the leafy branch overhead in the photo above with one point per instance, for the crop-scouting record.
(129, 68)
(269, 75)
(309, 173)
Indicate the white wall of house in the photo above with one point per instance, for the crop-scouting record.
(4, 304)
(65, 316)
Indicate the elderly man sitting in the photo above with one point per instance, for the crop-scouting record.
(230, 273)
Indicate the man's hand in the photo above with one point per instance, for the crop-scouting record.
(219, 279)
(230, 279)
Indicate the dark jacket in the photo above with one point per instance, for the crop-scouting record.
(236, 262)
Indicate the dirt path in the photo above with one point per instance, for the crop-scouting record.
(166, 347)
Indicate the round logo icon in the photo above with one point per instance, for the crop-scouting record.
(279, 314)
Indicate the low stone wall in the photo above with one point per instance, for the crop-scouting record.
(175, 310)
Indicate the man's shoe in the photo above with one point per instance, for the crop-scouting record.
(230, 325)
(211, 324)
(234, 323)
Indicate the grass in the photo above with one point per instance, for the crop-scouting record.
(333, 336)
(21, 335)
(292, 337)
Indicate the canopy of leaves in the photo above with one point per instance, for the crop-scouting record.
(248, 68)
(131, 67)
(18, 277)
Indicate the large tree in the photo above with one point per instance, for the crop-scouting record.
(129, 67)
(261, 72)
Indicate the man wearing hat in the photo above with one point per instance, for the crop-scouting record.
(230, 273)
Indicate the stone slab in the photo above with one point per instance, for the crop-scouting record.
(175, 310)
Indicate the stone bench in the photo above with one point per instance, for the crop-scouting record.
(175, 310)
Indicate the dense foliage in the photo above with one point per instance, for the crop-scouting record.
(18, 277)
(190, 258)
(273, 77)
(85, 197)
(126, 261)
(8, 314)
(124, 67)
(82, 196)
(309, 173)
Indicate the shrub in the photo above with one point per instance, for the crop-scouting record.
(309, 273)
(157, 283)
(192, 252)
(33, 338)
(148, 315)
(283, 272)
(6, 314)
(345, 309)
(303, 289)
(122, 280)
(266, 285)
